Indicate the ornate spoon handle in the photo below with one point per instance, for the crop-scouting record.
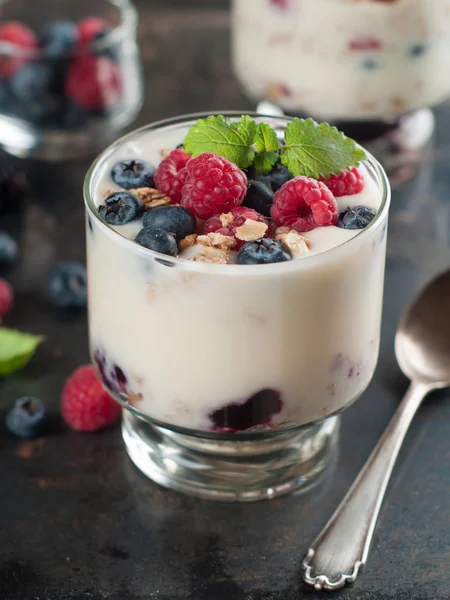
(342, 547)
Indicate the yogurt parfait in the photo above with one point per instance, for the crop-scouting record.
(235, 276)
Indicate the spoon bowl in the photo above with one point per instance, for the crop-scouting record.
(422, 342)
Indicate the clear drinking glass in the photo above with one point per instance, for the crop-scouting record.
(371, 68)
(232, 376)
(58, 104)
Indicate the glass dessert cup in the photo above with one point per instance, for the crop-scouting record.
(373, 69)
(58, 105)
(230, 392)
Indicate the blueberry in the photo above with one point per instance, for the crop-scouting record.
(58, 39)
(356, 217)
(279, 175)
(157, 239)
(257, 410)
(26, 418)
(109, 50)
(12, 183)
(417, 49)
(174, 219)
(67, 285)
(8, 248)
(259, 195)
(120, 208)
(31, 87)
(370, 64)
(263, 251)
(133, 174)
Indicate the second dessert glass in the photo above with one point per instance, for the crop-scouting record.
(232, 376)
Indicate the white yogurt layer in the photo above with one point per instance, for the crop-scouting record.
(300, 339)
(340, 59)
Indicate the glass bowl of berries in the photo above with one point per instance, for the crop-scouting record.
(70, 77)
(229, 258)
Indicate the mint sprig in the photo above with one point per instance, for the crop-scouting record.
(16, 349)
(267, 145)
(310, 149)
(234, 140)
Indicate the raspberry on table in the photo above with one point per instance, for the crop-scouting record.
(213, 185)
(227, 224)
(6, 297)
(85, 404)
(171, 174)
(19, 35)
(304, 204)
(346, 183)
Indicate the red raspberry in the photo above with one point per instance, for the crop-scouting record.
(346, 183)
(20, 35)
(94, 82)
(213, 185)
(85, 404)
(240, 215)
(304, 204)
(171, 174)
(89, 28)
(6, 297)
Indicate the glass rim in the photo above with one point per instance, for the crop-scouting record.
(128, 22)
(232, 269)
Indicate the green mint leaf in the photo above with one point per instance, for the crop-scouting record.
(264, 161)
(16, 349)
(313, 150)
(231, 140)
(266, 140)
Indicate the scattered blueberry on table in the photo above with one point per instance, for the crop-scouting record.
(26, 419)
(67, 285)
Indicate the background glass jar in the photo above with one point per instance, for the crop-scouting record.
(70, 76)
(371, 68)
(236, 388)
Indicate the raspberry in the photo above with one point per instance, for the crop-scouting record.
(213, 185)
(6, 297)
(20, 35)
(346, 183)
(85, 404)
(89, 28)
(304, 204)
(171, 174)
(240, 215)
(94, 82)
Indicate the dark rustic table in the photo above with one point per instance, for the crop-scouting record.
(78, 521)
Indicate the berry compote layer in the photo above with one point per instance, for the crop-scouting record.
(344, 59)
(226, 300)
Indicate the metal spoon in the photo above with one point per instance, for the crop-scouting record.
(422, 347)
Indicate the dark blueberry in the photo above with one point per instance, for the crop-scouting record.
(58, 39)
(279, 175)
(257, 410)
(261, 252)
(8, 248)
(5, 96)
(73, 116)
(26, 418)
(13, 183)
(67, 285)
(133, 174)
(120, 208)
(31, 87)
(259, 195)
(174, 219)
(157, 239)
(370, 64)
(417, 49)
(356, 217)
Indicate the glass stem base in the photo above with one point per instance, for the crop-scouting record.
(235, 471)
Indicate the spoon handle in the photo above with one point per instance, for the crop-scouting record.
(342, 547)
